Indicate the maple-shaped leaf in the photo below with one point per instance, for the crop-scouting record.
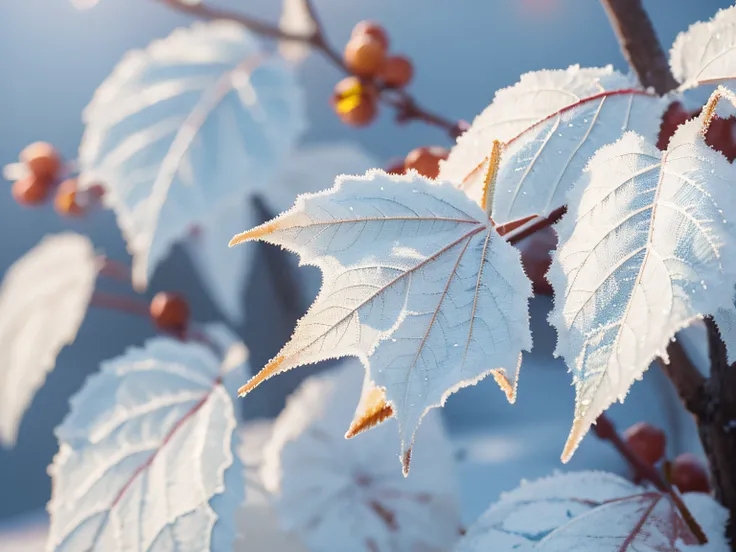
(296, 19)
(594, 511)
(640, 256)
(224, 270)
(338, 494)
(43, 299)
(146, 458)
(184, 128)
(550, 123)
(416, 283)
(706, 52)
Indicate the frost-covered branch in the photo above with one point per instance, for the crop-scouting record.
(406, 106)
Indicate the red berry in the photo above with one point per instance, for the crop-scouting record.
(426, 160)
(31, 190)
(647, 441)
(364, 56)
(66, 201)
(355, 102)
(395, 166)
(372, 29)
(397, 71)
(689, 474)
(720, 136)
(170, 312)
(42, 159)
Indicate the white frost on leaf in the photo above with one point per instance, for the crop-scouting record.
(550, 123)
(146, 458)
(338, 494)
(224, 270)
(183, 128)
(706, 52)
(593, 511)
(43, 299)
(725, 319)
(296, 19)
(641, 256)
(416, 283)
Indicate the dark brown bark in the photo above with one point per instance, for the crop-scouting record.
(712, 400)
(640, 44)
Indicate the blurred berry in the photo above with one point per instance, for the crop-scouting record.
(170, 312)
(689, 474)
(397, 71)
(42, 159)
(355, 102)
(647, 441)
(31, 190)
(373, 30)
(364, 56)
(66, 202)
(426, 160)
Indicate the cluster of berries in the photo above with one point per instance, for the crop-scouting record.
(686, 472)
(355, 99)
(39, 174)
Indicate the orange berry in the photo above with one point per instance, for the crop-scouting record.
(395, 167)
(689, 474)
(364, 56)
(355, 102)
(66, 201)
(170, 311)
(426, 160)
(397, 71)
(373, 30)
(42, 159)
(31, 190)
(647, 441)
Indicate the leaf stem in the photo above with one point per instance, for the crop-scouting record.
(605, 430)
(114, 270)
(406, 106)
(120, 303)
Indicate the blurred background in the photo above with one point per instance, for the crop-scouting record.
(52, 58)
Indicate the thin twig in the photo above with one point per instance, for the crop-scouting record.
(115, 270)
(606, 431)
(407, 108)
(121, 303)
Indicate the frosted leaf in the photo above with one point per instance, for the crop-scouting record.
(296, 19)
(183, 128)
(43, 300)
(339, 494)
(257, 519)
(706, 52)
(593, 511)
(725, 319)
(224, 270)
(416, 283)
(146, 458)
(231, 349)
(640, 257)
(551, 122)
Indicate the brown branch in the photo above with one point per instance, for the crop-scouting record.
(640, 44)
(407, 108)
(120, 303)
(605, 430)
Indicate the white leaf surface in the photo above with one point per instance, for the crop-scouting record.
(550, 123)
(416, 283)
(43, 300)
(146, 458)
(257, 519)
(224, 270)
(184, 128)
(596, 512)
(296, 19)
(339, 494)
(641, 256)
(706, 52)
